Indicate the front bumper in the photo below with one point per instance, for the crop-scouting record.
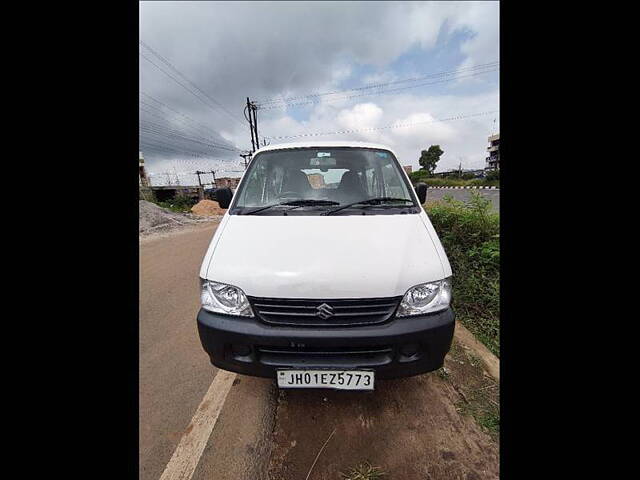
(399, 348)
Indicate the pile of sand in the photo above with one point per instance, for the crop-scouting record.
(207, 208)
(153, 217)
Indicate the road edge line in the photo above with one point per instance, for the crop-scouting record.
(187, 454)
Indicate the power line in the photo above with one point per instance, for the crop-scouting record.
(376, 93)
(387, 127)
(178, 72)
(197, 127)
(219, 165)
(270, 107)
(176, 132)
(164, 134)
(163, 148)
(184, 115)
(177, 148)
(159, 113)
(177, 81)
(187, 128)
(281, 99)
(172, 67)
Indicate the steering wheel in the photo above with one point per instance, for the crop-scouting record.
(289, 195)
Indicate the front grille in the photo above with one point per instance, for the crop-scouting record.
(324, 313)
(347, 357)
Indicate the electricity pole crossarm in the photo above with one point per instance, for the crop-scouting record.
(198, 173)
(247, 159)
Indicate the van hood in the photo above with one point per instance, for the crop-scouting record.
(322, 257)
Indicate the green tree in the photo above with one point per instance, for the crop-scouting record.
(418, 176)
(429, 158)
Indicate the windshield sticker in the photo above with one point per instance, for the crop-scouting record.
(382, 154)
(324, 154)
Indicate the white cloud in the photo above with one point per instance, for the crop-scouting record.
(363, 115)
(481, 20)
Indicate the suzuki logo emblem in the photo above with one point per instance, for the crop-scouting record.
(324, 311)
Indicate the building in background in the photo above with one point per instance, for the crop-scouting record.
(407, 168)
(493, 160)
(229, 182)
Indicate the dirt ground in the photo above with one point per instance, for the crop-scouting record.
(410, 428)
(154, 220)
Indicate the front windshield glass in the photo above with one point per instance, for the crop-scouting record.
(323, 178)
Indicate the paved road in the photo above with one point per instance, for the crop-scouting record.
(410, 427)
(465, 194)
(175, 373)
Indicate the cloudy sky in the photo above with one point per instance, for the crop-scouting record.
(408, 75)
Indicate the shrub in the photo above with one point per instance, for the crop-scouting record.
(454, 182)
(447, 182)
(470, 234)
(493, 175)
(179, 203)
(418, 176)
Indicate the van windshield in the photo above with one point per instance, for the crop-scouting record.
(313, 181)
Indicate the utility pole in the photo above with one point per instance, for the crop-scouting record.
(251, 116)
(254, 108)
(248, 111)
(201, 188)
(245, 156)
(215, 185)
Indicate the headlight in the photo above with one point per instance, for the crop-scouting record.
(223, 298)
(426, 298)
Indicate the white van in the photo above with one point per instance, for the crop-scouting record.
(325, 272)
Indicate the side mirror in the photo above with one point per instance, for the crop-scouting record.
(421, 191)
(223, 197)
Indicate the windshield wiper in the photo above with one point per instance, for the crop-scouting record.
(295, 203)
(370, 201)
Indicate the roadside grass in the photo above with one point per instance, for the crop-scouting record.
(479, 393)
(470, 234)
(363, 471)
(179, 203)
(458, 182)
(421, 176)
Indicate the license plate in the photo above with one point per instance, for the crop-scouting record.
(336, 379)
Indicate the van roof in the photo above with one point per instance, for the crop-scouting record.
(329, 143)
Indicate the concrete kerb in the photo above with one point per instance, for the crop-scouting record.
(490, 361)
